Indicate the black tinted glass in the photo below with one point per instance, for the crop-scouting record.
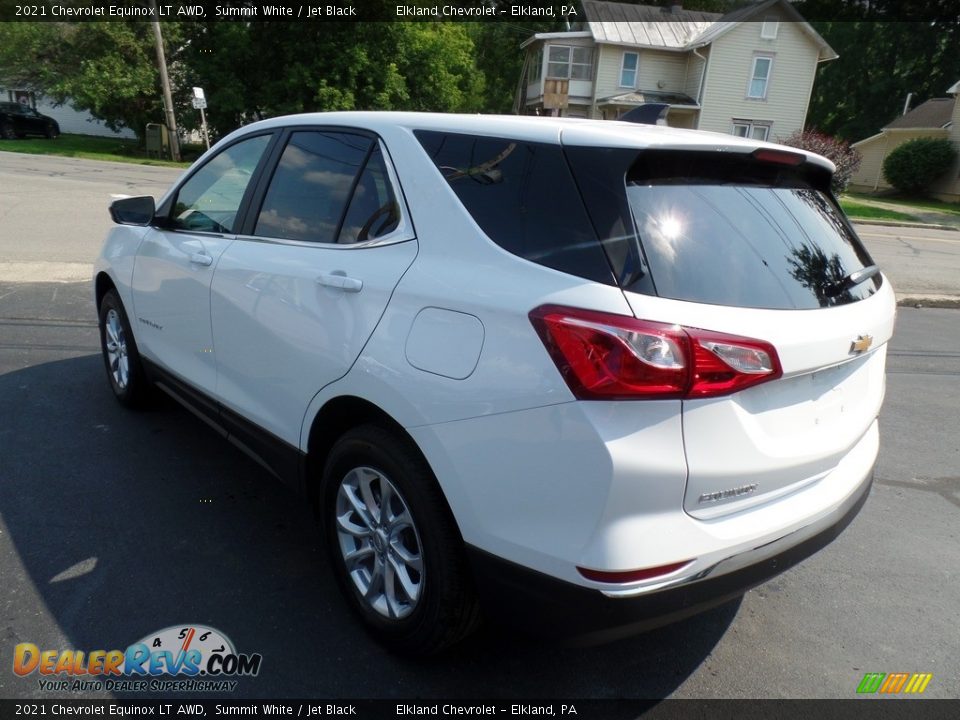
(309, 190)
(523, 197)
(373, 210)
(731, 235)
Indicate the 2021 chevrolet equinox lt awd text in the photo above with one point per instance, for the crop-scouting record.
(603, 374)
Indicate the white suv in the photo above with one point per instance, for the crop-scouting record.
(597, 375)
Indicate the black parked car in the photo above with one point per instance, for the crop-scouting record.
(17, 120)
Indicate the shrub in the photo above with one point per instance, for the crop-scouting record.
(838, 151)
(914, 166)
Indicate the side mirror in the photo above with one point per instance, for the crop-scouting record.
(133, 210)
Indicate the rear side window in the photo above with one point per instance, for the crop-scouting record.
(523, 197)
(373, 210)
(734, 231)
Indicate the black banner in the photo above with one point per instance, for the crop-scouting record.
(886, 709)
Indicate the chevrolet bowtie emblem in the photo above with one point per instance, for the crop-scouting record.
(861, 344)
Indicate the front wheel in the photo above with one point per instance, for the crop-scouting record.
(120, 355)
(52, 132)
(395, 548)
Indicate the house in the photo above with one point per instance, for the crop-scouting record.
(749, 72)
(936, 118)
(69, 120)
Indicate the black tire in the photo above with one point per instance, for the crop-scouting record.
(7, 131)
(52, 132)
(446, 609)
(133, 390)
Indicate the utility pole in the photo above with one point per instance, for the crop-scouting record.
(165, 82)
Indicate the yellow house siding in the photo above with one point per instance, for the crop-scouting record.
(872, 151)
(876, 149)
(788, 91)
(669, 68)
(691, 85)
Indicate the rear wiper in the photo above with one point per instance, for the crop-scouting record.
(852, 280)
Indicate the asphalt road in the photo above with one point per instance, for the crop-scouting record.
(115, 524)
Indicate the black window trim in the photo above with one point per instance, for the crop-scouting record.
(404, 231)
(162, 219)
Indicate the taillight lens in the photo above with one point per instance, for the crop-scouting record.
(612, 357)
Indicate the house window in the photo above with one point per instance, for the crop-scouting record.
(536, 67)
(628, 69)
(575, 63)
(756, 130)
(760, 77)
(769, 29)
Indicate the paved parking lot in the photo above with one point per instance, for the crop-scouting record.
(115, 524)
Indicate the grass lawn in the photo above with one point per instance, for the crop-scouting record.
(919, 204)
(86, 146)
(869, 212)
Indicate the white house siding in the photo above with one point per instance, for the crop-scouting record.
(791, 79)
(73, 121)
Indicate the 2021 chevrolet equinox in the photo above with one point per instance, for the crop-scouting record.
(602, 375)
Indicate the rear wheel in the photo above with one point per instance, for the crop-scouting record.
(395, 549)
(7, 131)
(120, 356)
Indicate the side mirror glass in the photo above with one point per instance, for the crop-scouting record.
(133, 210)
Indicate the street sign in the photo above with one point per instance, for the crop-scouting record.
(198, 93)
(199, 103)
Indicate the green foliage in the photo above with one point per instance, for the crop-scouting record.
(838, 151)
(914, 166)
(107, 68)
(880, 62)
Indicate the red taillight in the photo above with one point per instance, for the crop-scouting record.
(612, 357)
(626, 576)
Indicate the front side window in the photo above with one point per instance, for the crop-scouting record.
(210, 199)
(760, 77)
(628, 70)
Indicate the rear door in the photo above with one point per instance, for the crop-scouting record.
(752, 244)
(300, 291)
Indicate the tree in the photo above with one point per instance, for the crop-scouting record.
(880, 62)
(329, 66)
(106, 68)
(838, 151)
(914, 166)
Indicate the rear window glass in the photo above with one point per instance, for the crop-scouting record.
(732, 231)
(523, 197)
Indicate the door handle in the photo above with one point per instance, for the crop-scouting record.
(338, 279)
(201, 259)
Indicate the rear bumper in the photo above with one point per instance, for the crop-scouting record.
(545, 605)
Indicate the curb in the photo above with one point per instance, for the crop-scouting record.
(903, 223)
(924, 300)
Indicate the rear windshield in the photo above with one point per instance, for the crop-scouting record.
(733, 231)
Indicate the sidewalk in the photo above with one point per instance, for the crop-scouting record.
(925, 217)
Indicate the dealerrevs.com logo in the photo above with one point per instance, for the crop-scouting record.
(178, 658)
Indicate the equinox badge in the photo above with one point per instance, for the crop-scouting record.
(861, 344)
